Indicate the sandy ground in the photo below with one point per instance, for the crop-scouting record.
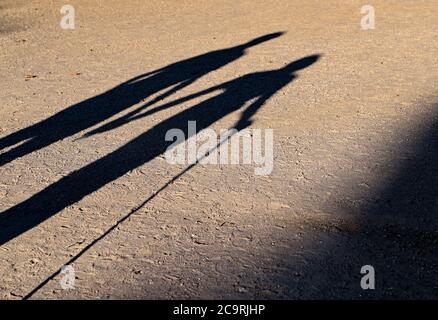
(355, 145)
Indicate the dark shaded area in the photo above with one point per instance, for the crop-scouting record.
(401, 225)
(397, 234)
(10, 23)
(72, 188)
(97, 109)
(412, 195)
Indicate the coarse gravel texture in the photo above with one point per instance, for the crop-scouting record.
(355, 151)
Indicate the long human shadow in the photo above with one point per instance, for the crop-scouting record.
(90, 112)
(233, 96)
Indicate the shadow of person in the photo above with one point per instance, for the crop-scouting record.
(92, 111)
(234, 95)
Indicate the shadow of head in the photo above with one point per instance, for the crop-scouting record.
(262, 39)
(301, 63)
(204, 63)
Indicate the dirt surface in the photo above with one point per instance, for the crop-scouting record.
(355, 150)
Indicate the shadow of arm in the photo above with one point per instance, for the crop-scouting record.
(133, 117)
(245, 119)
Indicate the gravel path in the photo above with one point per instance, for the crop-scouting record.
(84, 180)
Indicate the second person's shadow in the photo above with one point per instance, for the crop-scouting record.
(90, 112)
(233, 95)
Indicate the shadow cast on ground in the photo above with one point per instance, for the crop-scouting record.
(395, 231)
(93, 111)
(233, 95)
